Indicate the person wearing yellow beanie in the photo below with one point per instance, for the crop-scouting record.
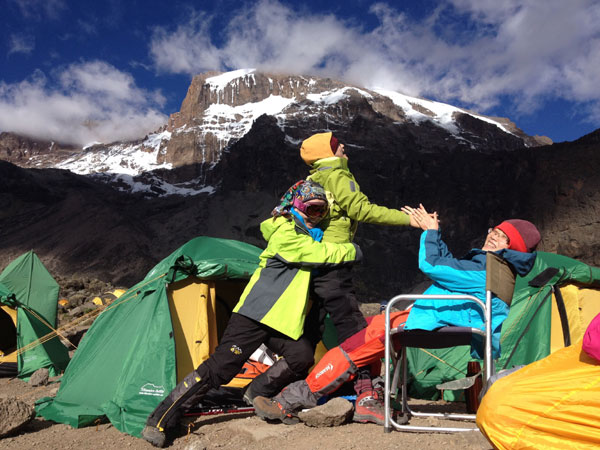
(328, 162)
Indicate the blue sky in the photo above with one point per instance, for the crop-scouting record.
(83, 71)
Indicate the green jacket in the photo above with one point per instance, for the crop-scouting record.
(348, 205)
(277, 293)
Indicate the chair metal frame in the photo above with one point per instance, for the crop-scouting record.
(497, 268)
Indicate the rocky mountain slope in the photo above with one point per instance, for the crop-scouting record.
(235, 147)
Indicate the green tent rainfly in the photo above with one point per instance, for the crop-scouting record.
(31, 292)
(127, 361)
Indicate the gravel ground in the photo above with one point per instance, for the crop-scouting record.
(229, 431)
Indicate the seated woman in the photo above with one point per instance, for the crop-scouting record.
(513, 239)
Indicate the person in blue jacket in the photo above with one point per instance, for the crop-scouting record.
(513, 239)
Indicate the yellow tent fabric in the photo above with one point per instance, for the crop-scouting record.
(192, 303)
(581, 305)
(553, 403)
(107, 298)
(199, 318)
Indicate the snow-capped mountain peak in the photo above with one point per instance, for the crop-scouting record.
(221, 108)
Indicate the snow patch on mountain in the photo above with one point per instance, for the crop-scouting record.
(232, 122)
(335, 96)
(120, 164)
(91, 144)
(442, 114)
(220, 82)
(152, 184)
(120, 158)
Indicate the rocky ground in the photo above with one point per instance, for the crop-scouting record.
(227, 431)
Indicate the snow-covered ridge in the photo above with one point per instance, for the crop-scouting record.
(335, 95)
(233, 122)
(123, 159)
(119, 164)
(220, 82)
(442, 113)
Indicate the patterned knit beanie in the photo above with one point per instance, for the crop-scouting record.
(303, 190)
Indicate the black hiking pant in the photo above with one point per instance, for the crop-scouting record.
(334, 290)
(284, 371)
(240, 339)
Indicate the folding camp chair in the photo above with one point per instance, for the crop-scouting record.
(500, 280)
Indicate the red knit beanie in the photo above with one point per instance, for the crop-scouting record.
(334, 143)
(523, 235)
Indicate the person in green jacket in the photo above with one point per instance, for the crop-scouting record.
(328, 162)
(272, 309)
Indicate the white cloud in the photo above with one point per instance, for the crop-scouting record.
(472, 52)
(100, 78)
(186, 50)
(92, 101)
(21, 43)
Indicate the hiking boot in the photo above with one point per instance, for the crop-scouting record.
(369, 408)
(154, 436)
(270, 409)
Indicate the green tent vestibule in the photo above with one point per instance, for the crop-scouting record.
(153, 335)
(28, 307)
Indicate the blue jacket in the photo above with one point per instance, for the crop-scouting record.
(466, 275)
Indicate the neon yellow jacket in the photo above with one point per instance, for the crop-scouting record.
(277, 293)
(348, 205)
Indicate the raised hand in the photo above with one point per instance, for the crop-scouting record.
(420, 218)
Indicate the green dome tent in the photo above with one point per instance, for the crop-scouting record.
(148, 339)
(551, 309)
(28, 304)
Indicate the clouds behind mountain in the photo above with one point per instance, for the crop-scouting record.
(79, 104)
(468, 51)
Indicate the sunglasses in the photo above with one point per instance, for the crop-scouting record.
(315, 210)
